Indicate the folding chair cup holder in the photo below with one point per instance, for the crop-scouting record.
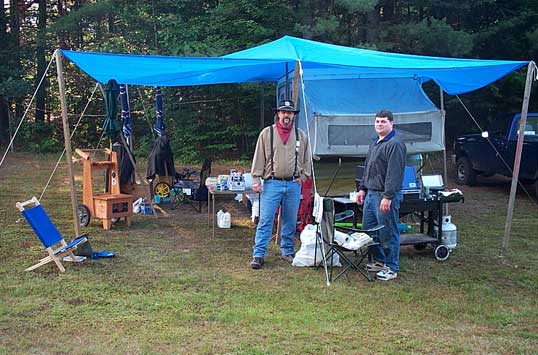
(349, 258)
(48, 234)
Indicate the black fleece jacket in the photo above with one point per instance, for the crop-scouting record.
(385, 165)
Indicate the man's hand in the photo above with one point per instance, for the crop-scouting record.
(360, 197)
(298, 180)
(256, 187)
(384, 206)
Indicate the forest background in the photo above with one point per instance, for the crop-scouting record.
(223, 120)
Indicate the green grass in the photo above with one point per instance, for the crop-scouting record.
(172, 288)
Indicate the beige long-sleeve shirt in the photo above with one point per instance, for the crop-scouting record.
(283, 156)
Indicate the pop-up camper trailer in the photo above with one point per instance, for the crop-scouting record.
(340, 110)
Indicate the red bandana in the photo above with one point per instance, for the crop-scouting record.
(283, 132)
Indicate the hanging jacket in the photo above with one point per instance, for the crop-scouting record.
(160, 157)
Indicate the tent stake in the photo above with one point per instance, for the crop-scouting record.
(517, 159)
(67, 139)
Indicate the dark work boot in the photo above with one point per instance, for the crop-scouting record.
(256, 263)
(288, 258)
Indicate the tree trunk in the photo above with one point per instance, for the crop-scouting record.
(79, 35)
(41, 63)
(4, 122)
(62, 40)
(15, 25)
(372, 25)
(4, 117)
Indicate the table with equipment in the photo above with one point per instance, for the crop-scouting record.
(430, 213)
(211, 194)
(429, 210)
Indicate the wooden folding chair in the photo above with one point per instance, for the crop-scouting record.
(48, 235)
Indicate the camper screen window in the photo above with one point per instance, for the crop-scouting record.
(362, 134)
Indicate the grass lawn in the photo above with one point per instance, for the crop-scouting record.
(172, 288)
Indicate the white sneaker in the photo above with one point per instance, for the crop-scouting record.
(386, 274)
(375, 266)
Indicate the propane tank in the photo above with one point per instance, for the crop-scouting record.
(450, 233)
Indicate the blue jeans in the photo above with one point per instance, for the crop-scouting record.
(388, 250)
(275, 193)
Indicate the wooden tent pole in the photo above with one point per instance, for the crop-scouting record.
(67, 139)
(519, 147)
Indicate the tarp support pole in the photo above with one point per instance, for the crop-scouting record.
(287, 83)
(517, 159)
(67, 139)
(443, 118)
(296, 77)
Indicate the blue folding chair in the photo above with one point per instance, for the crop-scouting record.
(48, 234)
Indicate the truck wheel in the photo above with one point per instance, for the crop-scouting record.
(465, 175)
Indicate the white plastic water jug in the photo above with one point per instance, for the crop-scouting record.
(225, 220)
(450, 233)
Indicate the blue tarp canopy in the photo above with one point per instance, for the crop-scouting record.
(152, 70)
(268, 62)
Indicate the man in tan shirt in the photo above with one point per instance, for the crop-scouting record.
(282, 159)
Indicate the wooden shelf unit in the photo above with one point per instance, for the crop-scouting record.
(109, 205)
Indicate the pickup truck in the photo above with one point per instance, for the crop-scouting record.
(474, 155)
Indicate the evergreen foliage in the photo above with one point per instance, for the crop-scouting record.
(224, 120)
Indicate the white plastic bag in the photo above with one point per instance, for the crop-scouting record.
(255, 206)
(307, 254)
(352, 241)
(136, 205)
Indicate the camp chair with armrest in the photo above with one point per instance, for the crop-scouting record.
(184, 181)
(351, 259)
(48, 234)
(201, 193)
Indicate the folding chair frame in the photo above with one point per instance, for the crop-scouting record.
(356, 261)
(353, 262)
(205, 171)
(53, 254)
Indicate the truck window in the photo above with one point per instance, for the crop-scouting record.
(531, 126)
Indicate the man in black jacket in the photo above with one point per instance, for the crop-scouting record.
(381, 194)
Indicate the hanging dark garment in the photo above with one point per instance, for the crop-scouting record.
(125, 166)
(111, 125)
(160, 157)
